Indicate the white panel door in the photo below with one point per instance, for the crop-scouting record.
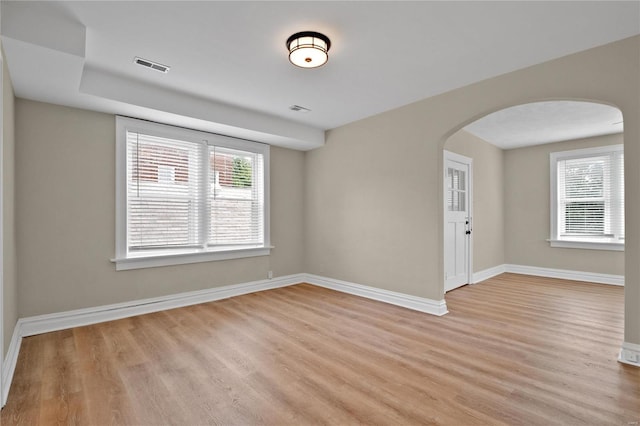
(457, 220)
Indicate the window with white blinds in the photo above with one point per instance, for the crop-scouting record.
(188, 195)
(235, 201)
(588, 196)
(164, 195)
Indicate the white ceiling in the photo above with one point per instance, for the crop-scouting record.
(545, 122)
(229, 67)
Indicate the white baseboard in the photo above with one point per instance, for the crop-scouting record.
(630, 354)
(429, 306)
(63, 320)
(566, 274)
(30, 326)
(591, 277)
(488, 273)
(10, 362)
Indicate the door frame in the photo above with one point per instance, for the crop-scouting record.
(2, 348)
(447, 156)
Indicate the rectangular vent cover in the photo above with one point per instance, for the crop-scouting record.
(153, 65)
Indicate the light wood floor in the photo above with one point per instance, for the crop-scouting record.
(512, 350)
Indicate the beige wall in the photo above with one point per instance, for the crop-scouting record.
(511, 207)
(374, 191)
(9, 271)
(65, 174)
(527, 214)
(372, 195)
(365, 195)
(488, 197)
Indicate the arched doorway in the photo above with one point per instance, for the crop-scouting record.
(513, 219)
(560, 165)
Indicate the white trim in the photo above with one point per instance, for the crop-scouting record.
(429, 306)
(470, 201)
(452, 156)
(9, 364)
(63, 320)
(565, 274)
(121, 189)
(554, 157)
(488, 273)
(125, 262)
(80, 317)
(185, 258)
(630, 354)
(3, 394)
(587, 245)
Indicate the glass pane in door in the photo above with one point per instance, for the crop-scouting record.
(456, 193)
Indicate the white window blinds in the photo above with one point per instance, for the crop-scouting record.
(236, 197)
(163, 192)
(184, 195)
(590, 194)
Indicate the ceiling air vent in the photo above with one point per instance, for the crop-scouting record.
(153, 65)
(299, 108)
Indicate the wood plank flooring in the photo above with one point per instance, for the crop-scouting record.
(513, 350)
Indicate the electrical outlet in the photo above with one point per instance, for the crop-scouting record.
(270, 274)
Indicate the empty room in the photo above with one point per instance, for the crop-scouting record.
(314, 212)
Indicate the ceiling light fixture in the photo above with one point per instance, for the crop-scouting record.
(308, 49)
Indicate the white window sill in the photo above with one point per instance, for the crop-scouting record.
(152, 260)
(588, 245)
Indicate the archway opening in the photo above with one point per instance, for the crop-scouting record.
(548, 193)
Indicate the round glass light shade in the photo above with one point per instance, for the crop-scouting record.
(308, 49)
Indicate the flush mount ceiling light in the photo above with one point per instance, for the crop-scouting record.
(308, 49)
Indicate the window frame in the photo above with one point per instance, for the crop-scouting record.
(163, 257)
(580, 243)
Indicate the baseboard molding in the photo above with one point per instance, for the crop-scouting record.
(429, 306)
(488, 273)
(29, 326)
(591, 277)
(566, 274)
(630, 354)
(63, 320)
(10, 362)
